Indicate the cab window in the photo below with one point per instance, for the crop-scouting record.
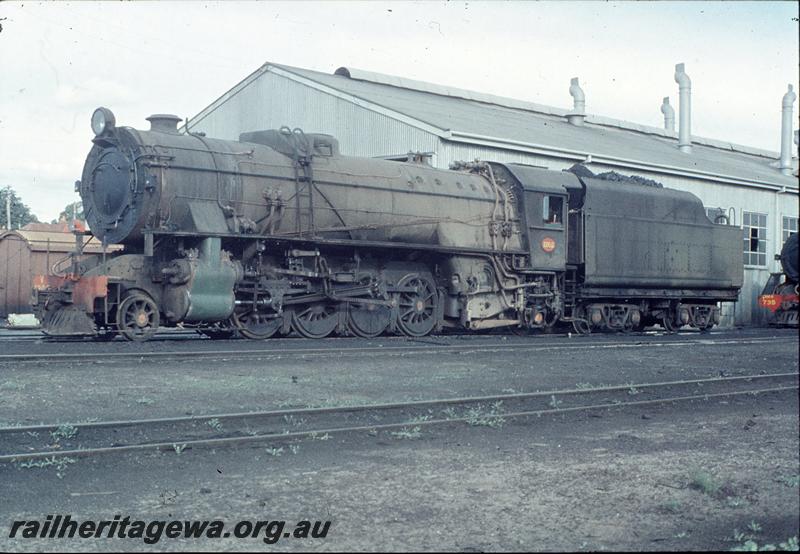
(553, 210)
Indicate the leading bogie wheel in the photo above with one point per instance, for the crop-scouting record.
(137, 317)
(416, 308)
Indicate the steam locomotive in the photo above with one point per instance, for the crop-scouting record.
(781, 294)
(279, 232)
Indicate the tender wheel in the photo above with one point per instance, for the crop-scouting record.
(368, 320)
(580, 324)
(256, 326)
(581, 327)
(668, 322)
(137, 317)
(316, 320)
(416, 311)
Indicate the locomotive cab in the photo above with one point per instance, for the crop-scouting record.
(544, 213)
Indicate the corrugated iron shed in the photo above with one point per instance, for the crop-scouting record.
(470, 117)
(387, 116)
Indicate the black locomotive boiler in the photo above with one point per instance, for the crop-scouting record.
(278, 232)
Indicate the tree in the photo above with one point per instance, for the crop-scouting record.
(72, 211)
(20, 213)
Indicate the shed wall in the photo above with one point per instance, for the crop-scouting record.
(272, 101)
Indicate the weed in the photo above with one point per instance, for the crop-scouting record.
(406, 433)
(64, 431)
(450, 413)
(317, 437)
(293, 421)
(145, 400)
(419, 419)
(790, 481)
(215, 424)
(754, 527)
(750, 545)
(791, 544)
(60, 464)
(672, 507)
(178, 448)
(554, 402)
(275, 451)
(295, 448)
(486, 418)
(633, 390)
(704, 482)
(735, 502)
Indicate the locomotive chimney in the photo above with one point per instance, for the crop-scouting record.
(786, 131)
(578, 113)
(164, 123)
(685, 107)
(669, 115)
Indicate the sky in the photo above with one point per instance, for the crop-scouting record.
(59, 61)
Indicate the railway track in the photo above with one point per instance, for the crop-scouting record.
(28, 444)
(387, 347)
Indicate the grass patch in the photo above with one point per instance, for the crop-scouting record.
(64, 431)
(407, 433)
(705, 483)
(480, 416)
(791, 481)
(275, 451)
(215, 424)
(60, 463)
(671, 507)
(750, 545)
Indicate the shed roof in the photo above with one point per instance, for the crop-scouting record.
(54, 241)
(475, 118)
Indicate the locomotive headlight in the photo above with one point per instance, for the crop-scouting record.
(102, 121)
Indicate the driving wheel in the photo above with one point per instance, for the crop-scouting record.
(316, 320)
(416, 308)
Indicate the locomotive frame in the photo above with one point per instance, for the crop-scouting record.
(278, 232)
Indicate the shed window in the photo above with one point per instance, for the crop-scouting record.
(789, 226)
(552, 210)
(754, 226)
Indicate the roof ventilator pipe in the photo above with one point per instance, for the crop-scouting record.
(164, 123)
(685, 108)
(669, 115)
(578, 113)
(786, 131)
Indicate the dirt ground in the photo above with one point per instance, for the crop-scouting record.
(701, 476)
